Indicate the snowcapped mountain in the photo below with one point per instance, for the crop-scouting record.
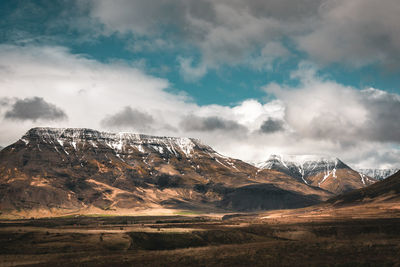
(378, 174)
(329, 173)
(52, 171)
(73, 139)
(302, 166)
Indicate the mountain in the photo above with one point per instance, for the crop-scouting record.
(51, 171)
(386, 191)
(328, 173)
(378, 174)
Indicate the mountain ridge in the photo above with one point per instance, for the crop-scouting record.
(323, 171)
(378, 174)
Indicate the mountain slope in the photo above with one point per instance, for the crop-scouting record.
(327, 173)
(387, 190)
(59, 171)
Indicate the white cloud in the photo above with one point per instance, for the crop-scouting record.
(322, 109)
(317, 117)
(85, 89)
(358, 125)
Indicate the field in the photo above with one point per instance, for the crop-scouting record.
(194, 240)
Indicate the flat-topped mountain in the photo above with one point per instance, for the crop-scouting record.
(329, 173)
(52, 171)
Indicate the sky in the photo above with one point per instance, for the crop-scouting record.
(248, 77)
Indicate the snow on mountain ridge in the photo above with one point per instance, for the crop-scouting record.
(116, 141)
(303, 166)
(296, 159)
(379, 174)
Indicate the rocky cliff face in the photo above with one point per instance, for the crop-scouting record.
(328, 173)
(61, 171)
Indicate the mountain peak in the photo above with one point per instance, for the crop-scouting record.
(298, 161)
(329, 173)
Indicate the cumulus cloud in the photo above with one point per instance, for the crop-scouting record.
(319, 116)
(323, 109)
(130, 118)
(205, 124)
(85, 89)
(35, 108)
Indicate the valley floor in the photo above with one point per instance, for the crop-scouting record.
(266, 239)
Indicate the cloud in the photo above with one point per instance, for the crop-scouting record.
(252, 33)
(189, 72)
(319, 116)
(269, 54)
(322, 109)
(35, 108)
(85, 89)
(214, 123)
(383, 114)
(130, 118)
(272, 126)
(224, 32)
(357, 33)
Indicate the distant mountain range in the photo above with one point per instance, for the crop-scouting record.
(328, 173)
(378, 174)
(52, 171)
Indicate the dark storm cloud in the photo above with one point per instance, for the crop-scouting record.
(35, 108)
(271, 126)
(207, 124)
(128, 117)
